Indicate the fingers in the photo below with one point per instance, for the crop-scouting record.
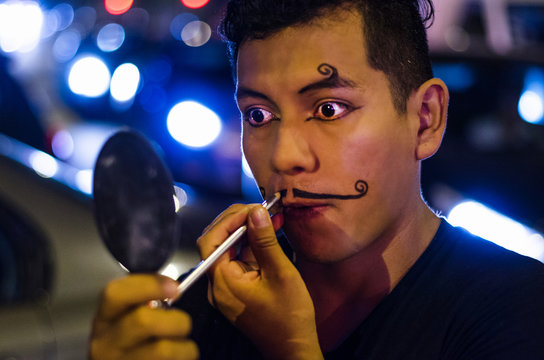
(165, 349)
(145, 323)
(125, 293)
(263, 242)
(127, 328)
(224, 225)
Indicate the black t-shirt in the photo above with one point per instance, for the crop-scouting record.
(464, 298)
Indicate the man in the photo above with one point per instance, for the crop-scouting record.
(339, 108)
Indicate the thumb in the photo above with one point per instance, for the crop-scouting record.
(263, 241)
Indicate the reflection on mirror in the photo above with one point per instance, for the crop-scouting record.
(133, 195)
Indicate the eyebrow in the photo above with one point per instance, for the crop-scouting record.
(332, 82)
(242, 92)
(328, 83)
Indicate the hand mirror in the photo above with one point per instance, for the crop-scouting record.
(134, 208)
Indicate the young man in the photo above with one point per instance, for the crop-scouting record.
(339, 108)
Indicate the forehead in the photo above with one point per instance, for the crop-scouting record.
(292, 56)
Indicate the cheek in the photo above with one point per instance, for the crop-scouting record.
(255, 154)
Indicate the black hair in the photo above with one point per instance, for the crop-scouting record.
(394, 33)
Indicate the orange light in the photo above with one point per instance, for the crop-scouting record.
(117, 7)
(194, 4)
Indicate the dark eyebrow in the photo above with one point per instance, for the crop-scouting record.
(332, 82)
(242, 92)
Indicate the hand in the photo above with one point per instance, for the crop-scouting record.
(127, 327)
(261, 292)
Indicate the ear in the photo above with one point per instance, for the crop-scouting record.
(430, 104)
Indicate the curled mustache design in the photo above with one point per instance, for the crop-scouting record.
(361, 187)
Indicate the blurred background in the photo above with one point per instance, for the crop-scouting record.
(74, 72)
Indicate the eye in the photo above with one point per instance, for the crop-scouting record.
(258, 117)
(331, 110)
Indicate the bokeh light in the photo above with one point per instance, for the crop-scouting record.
(196, 33)
(20, 26)
(124, 82)
(89, 77)
(531, 107)
(62, 144)
(498, 228)
(179, 22)
(110, 37)
(66, 45)
(84, 181)
(193, 124)
(117, 7)
(194, 4)
(43, 164)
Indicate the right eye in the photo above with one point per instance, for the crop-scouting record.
(258, 117)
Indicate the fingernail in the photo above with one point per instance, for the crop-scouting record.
(260, 217)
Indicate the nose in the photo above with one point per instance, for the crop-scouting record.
(293, 153)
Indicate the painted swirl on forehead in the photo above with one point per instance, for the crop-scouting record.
(332, 76)
(361, 188)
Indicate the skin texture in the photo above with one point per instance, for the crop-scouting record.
(303, 131)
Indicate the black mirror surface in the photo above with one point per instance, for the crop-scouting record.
(134, 206)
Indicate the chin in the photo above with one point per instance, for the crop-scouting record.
(319, 247)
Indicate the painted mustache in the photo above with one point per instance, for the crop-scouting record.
(361, 188)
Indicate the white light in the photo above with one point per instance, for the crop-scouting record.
(172, 271)
(62, 144)
(193, 124)
(178, 23)
(45, 165)
(20, 25)
(89, 77)
(493, 226)
(531, 106)
(84, 181)
(125, 82)
(245, 167)
(110, 37)
(180, 198)
(196, 33)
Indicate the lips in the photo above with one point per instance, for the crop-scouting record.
(304, 208)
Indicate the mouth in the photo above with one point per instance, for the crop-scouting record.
(303, 208)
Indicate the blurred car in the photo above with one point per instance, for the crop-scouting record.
(52, 266)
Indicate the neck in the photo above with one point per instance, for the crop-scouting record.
(363, 280)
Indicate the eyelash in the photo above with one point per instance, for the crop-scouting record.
(347, 109)
(247, 116)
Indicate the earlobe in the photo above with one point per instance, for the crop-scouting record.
(431, 101)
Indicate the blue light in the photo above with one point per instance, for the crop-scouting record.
(125, 82)
(531, 101)
(498, 228)
(62, 144)
(64, 15)
(458, 77)
(89, 77)
(193, 124)
(245, 168)
(110, 37)
(178, 23)
(66, 45)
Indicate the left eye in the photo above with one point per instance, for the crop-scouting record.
(331, 110)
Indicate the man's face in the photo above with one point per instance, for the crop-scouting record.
(318, 122)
